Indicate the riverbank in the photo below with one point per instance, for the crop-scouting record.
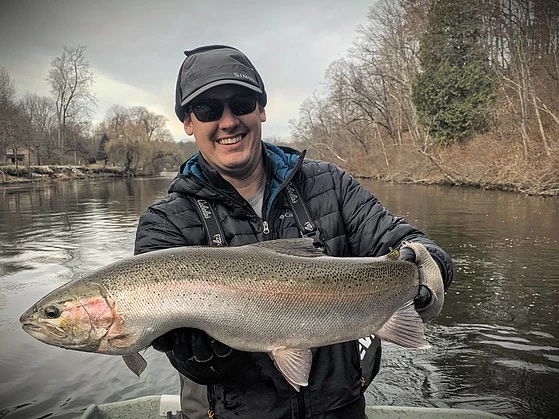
(479, 165)
(24, 174)
(424, 171)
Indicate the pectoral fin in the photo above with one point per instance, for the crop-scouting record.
(135, 362)
(294, 364)
(405, 328)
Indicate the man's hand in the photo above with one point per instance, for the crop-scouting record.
(423, 297)
(196, 355)
(191, 343)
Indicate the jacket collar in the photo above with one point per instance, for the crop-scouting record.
(197, 177)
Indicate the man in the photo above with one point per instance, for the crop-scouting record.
(239, 190)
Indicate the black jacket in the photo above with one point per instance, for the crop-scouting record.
(351, 222)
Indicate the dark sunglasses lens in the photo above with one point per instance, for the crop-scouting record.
(212, 110)
(208, 111)
(242, 105)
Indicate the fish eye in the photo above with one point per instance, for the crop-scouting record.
(52, 312)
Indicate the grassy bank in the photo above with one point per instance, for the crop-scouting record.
(480, 163)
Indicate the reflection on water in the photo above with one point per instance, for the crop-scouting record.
(495, 346)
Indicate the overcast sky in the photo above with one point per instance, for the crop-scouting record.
(135, 48)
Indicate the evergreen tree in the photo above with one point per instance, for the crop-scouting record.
(457, 86)
(101, 152)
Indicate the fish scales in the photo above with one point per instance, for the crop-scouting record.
(248, 301)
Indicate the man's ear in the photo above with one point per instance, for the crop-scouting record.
(262, 112)
(187, 123)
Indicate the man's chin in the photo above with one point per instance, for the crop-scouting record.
(234, 159)
(235, 168)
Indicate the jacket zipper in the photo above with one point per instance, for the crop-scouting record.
(300, 404)
(285, 181)
(265, 227)
(265, 224)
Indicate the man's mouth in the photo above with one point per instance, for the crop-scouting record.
(230, 140)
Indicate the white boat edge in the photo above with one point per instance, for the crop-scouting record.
(167, 406)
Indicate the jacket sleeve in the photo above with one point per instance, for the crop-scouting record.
(156, 231)
(373, 230)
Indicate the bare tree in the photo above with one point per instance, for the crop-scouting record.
(316, 128)
(11, 117)
(71, 81)
(7, 89)
(116, 118)
(7, 109)
(530, 30)
(40, 115)
(155, 125)
(138, 139)
(368, 102)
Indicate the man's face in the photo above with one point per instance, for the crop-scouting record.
(231, 144)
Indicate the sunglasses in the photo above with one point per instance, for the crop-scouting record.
(212, 109)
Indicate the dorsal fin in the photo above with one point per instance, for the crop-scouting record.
(303, 247)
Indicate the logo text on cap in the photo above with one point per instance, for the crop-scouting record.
(244, 76)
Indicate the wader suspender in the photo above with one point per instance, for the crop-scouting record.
(301, 213)
(216, 237)
(214, 231)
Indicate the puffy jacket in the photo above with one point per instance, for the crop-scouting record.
(350, 221)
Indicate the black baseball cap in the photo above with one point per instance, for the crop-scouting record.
(214, 65)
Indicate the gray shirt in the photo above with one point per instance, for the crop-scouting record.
(257, 200)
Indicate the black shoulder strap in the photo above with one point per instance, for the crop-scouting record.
(214, 232)
(215, 237)
(301, 213)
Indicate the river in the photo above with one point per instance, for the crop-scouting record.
(495, 346)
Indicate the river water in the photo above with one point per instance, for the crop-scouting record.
(495, 346)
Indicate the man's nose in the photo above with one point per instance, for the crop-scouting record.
(228, 119)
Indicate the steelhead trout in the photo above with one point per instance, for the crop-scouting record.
(282, 297)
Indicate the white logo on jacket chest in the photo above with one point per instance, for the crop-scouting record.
(287, 214)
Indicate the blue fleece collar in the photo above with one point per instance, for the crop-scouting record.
(281, 163)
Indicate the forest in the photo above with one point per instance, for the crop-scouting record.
(431, 91)
(445, 91)
(57, 130)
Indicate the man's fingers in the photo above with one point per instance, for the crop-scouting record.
(423, 297)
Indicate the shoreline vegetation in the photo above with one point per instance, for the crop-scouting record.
(478, 164)
(12, 175)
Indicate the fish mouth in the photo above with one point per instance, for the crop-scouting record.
(44, 332)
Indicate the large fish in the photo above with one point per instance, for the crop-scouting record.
(282, 297)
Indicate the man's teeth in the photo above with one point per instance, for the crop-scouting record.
(230, 140)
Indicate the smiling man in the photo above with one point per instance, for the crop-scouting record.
(239, 190)
(231, 143)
